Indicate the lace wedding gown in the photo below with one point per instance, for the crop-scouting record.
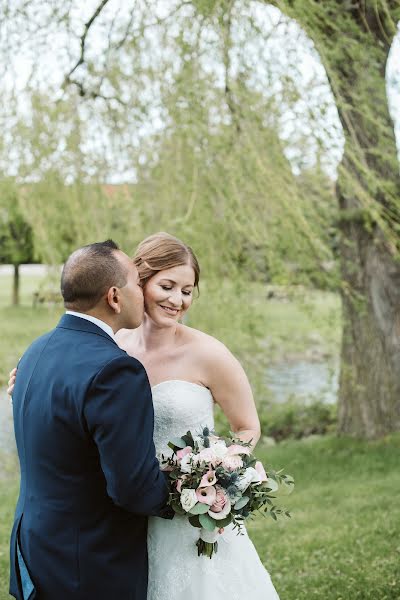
(175, 570)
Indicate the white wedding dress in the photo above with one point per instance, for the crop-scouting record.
(175, 570)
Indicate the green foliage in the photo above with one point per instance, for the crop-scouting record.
(16, 239)
(295, 419)
(212, 171)
(353, 42)
(64, 217)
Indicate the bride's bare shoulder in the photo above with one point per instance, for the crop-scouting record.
(204, 344)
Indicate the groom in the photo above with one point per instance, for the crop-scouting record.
(83, 418)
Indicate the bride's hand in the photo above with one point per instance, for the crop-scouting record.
(11, 381)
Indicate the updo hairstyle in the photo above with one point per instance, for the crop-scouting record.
(162, 251)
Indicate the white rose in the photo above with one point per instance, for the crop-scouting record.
(219, 449)
(249, 476)
(256, 477)
(188, 499)
(185, 466)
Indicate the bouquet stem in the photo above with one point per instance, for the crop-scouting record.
(206, 548)
(207, 544)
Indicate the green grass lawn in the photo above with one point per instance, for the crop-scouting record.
(343, 540)
(20, 325)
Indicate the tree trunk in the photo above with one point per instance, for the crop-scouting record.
(354, 39)
(15, 293)
(368, 189)
(369, 389)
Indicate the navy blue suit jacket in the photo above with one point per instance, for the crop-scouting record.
(83, 418)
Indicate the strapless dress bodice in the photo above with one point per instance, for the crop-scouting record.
(180, 406)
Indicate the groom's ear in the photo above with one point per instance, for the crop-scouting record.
(114, 299)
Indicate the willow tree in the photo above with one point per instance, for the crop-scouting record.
(353, 40)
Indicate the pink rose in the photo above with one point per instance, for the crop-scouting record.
(208, 479)
(261, 471)
(181, 453)
(222, 505)
(238, 449)
(208, 456)
(232, 462)
(221, 499)
(206, 495)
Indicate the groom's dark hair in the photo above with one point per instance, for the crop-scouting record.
(88, 274)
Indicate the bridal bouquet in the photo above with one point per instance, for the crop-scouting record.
(216, 481)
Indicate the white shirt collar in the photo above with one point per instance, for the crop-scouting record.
(104, 326)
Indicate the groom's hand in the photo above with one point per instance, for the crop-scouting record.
(11, 381)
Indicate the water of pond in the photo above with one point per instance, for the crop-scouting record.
(301, 379)
(304, 379)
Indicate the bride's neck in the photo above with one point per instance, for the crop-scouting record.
(153, 337)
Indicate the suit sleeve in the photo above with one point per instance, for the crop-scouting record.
(120, 419)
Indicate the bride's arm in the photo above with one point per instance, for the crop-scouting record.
(231, 390)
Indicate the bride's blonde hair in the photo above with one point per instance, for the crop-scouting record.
(163, 251)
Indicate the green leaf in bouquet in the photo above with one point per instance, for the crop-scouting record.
(194, 521)
(207, 522)
(225, 522)
(177, 508)
(177, 443)
(241, 502)
(199, 509)
(188, 439)
(271, 485)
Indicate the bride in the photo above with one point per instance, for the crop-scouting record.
(189, 371)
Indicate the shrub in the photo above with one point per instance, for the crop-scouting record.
(295, 419)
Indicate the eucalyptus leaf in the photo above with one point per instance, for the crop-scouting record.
(241, 502)
(207, 522)
(177, 443)
(199, 509)
(272, 485)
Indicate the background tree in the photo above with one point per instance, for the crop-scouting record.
(353, 40)
(16, 239)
